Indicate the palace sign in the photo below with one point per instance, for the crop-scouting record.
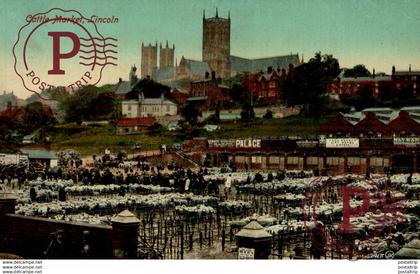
(238, 143)
(248, 143)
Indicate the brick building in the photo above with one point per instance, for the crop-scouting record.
(209, 90)
(404, 79)
(266, 85)
(133, 125)
(370, 126)
(352, 85)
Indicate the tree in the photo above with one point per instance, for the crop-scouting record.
(36, 116)
(307, 84)
(365, 98)
(149, 88)
(240, 94)
(357, 71)
(268, 114)
(89, 103)
(190, 113)
(247, 113)
(386, 92)
(406, 94)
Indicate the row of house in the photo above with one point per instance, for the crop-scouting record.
(396, 81)
(375, 123)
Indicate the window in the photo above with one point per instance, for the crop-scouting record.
(313, 161)
(256, 159)
(240, 159)
(129, 107)
(353, 161)
(332, 161)
(377, 162)
(274, 159)
(292, 160)
(168, 108)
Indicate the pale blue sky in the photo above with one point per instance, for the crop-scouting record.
(378, 33)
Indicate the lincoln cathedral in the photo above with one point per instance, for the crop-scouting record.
(216, 57)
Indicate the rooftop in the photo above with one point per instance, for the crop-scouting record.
(140, 121)
(38, 153)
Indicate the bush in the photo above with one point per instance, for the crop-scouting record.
(268, 114)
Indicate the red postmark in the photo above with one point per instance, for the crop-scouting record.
(62, 51)
(336, 225)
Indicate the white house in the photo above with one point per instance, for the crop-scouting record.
(149, 107)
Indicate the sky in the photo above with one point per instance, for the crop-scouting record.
(377, 33)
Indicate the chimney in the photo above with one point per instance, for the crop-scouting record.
(120, 80)
(269, 69)
(207, 75)
(393, 70)
(409, 68)
(213, 75)
(373, 74)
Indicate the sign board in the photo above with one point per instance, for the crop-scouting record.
(13, 159)
(9, 159)
(238, 143)
(248, 143)
(408, 142)
(246, 253)
(221, 143)
(307, 143)
(342, 142)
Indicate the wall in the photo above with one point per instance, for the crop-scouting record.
(29, 237)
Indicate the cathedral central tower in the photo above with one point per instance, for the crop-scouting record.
(216, 44)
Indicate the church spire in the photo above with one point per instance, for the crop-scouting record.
(204, 14)
(217, 13)
(228, 14)
(167, 44)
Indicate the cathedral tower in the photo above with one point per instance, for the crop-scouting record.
(216, 44)
(167, 55)
(148, 60)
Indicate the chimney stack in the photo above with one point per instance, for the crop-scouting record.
(373, 73)
(393, 70)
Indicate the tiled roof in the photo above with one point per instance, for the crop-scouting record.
(255, 65)
(364, 79)
(388, 110)
(156, 101)
(140, 121)
(12, 112)
(40, 153)
(164, 74)
(123, 87)
(407, 72)
(197, 67)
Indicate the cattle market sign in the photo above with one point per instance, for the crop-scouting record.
(342, 143)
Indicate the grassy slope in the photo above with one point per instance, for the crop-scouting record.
(95, 140)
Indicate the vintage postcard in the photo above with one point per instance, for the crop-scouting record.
(175, 130)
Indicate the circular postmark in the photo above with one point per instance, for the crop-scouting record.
(351, 214)
(60, 51)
